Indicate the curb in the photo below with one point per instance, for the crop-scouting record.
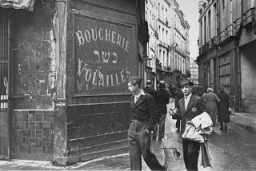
(244, 124)
(247, 127)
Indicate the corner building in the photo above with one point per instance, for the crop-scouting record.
(64, 67)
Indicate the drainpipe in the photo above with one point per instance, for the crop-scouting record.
(239, 83)
(238, 95)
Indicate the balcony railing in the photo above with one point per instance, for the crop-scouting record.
(161, 43)
(249, 17)
(236, 25)
(248, 20)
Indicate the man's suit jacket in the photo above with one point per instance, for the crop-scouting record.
(144, 110)
(162, 99)
(150, 90)
(195, 107)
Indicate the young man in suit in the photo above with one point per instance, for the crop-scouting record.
(143, 117)
(189, 107)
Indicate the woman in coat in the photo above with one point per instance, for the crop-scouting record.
(223, 109)
(211, 101)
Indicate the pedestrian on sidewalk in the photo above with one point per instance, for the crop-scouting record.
(211, 101)
(189, 106)
(178, 95)
(162, 97)
(223, 109)
(149, 88)
(143, 117)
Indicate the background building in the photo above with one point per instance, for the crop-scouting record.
(168, 48)
(193, 71)
(227, 47)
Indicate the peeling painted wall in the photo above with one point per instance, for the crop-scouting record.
(33, 80)
(33, 58)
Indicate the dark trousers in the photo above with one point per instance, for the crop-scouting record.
(191, 152)
(139, 144)
(160, 127)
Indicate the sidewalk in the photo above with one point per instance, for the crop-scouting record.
(121, 162)
(245, 120)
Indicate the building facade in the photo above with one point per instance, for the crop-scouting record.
(226, 48)
(64, 67)
(168, 48)
(193, 71)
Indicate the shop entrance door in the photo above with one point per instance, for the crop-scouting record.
(4, 84)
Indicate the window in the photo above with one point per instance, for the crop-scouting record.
(4, 58)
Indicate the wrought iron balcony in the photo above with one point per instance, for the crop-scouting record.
(249, 17)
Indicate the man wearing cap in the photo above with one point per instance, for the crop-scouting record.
(189, 107)
(149, 88)
(143, 116)
(162, 97)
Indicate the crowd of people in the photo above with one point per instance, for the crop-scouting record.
(148, 115)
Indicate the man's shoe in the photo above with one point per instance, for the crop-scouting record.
(154, 138)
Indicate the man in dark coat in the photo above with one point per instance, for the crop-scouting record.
(189, 107)
(223, 108)
(178, 95)
(149, 88)
(162, 97)
(143, 117)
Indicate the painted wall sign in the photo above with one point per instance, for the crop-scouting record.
(102, 53)
(18, 4)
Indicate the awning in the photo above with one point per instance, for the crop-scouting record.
(18, 4)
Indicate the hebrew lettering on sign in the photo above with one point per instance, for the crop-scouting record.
(102, 53)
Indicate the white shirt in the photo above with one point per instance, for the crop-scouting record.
(136, 97)
(186, 99)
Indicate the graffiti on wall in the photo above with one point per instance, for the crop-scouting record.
(102, 51)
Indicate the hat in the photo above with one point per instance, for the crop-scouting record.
(186, 82)
(162, 84)
(149, 82)
(135, 80)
